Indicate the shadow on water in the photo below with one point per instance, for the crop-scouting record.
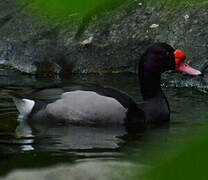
(23, 146)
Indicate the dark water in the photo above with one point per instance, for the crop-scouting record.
(24, 147)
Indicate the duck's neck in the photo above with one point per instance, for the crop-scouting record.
(155, 103)
(150, 85)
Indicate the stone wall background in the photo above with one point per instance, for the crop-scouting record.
(112, 43)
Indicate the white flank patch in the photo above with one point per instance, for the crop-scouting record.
(24, 106)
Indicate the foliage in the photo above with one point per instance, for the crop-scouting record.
(186, 161)
(66, 11)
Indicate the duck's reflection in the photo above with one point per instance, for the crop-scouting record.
(84, 140)
(40, 137)
(24, 133)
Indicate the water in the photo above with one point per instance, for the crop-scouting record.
(22, 146)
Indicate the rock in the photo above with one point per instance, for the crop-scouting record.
(99, 170)
(111, 43)
(154, 26)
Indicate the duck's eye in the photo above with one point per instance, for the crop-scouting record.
(168, 54)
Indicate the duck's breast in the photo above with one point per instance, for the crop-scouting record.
(87, 107)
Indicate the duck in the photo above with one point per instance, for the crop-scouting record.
(98, 105)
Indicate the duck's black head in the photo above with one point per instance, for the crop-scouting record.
(161, 57)
(158, 59)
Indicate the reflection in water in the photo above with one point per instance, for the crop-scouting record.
(24, 132)
(70, 137)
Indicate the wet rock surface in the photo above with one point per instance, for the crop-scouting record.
(112, 43)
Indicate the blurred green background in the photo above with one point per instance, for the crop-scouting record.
(185, 159)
